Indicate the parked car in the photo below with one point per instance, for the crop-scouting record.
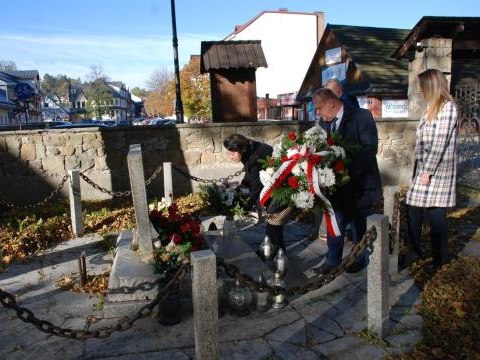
(76, 126)
(123, 123)
(51, 124)
(161, 122)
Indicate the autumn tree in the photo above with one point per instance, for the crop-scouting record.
(57, 87)
(98, 93)
(160, 98)
(140, 92)
(195, 88)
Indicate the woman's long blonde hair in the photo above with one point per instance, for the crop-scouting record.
(434, 87)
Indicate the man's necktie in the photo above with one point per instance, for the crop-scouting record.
(334, 125)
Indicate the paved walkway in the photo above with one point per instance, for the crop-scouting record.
(322, 324)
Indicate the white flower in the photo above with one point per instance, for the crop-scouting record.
(315, 135)
(326, 177)
(304, 166)
(228, 196)
(157, 244)
(181, 257)
(266, 176)
(170, 247)
(297, 170)
(158, 205)
(339, 151)
(303, 199)
(277, 150)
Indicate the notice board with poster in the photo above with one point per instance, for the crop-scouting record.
(334, 72)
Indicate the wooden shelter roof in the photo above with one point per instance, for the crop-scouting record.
(239, 54)
(465, 31)
(370, 49)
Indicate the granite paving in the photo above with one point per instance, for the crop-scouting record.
(322, 324)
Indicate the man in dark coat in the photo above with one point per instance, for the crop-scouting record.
(354, 201)
(337, 88)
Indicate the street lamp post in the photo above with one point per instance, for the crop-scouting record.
(178, 99)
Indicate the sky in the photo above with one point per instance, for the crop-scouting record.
(130, 39)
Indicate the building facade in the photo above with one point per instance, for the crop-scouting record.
(20, 100)
(289, 40)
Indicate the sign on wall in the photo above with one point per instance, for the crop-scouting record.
(333, 56)
(334, 72)
(287, 99)
(394, 108)
(23, 91)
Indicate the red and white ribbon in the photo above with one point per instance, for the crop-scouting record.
(295, 155)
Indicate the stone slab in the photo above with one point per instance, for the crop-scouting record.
(130, 278)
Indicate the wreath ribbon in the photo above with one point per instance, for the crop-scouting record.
(294, 156)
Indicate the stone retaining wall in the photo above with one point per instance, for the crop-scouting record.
(33, 162)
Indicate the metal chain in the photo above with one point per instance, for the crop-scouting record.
(154, 175)
(26, 315)
(207, 181)
(393, 230)
(365, 243)
(402, 217)
(157, 171)
(102, 189)
(43, 202)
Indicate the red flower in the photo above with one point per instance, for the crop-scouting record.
(176, 238)
(155, 215)
(292, 136)
(194, 226)
(184, 227)
(316, 159)
(330, 141)
(284, 158)
(195, 247)
(339, 166)
(293, 182)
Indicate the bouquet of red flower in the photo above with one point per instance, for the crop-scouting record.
(178, 235)
(306, 167)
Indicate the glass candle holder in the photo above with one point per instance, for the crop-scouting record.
(240, 299)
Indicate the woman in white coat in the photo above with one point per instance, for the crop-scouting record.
(434, 175)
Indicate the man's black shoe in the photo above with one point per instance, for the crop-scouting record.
(323, 269)
(407, 259)
(356, 267)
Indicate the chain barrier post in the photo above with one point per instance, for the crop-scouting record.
(390, 209)
(205, 304)
(143, 233)
(75, 197)
(168, 182)
(378, 297)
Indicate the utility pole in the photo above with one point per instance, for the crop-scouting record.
(70, 100)
(178, 97)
